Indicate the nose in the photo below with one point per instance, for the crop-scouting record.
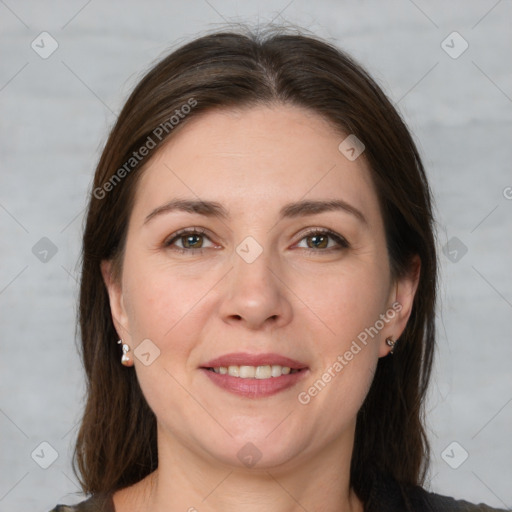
(255, 294)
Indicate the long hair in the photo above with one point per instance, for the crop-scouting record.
(116, 444)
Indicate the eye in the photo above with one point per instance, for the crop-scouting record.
(319, 239)
(191, 240)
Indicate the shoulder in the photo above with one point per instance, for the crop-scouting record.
(96, 503)
(387, 495)
(422, 500)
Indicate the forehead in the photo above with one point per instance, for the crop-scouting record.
(255, 158)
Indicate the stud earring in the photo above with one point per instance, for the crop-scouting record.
(125, 358)
(390, 342)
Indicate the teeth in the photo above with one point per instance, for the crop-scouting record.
(246, 372)
(263, 372)
(234, 371)
(276, 370)
(254, 372)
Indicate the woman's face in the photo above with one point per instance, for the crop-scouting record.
(267, 268)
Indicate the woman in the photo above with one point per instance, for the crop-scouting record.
(258, 290)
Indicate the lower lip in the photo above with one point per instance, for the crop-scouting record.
(255, 388)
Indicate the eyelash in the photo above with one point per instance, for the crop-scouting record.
(341, 241)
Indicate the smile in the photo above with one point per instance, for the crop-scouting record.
(262, 384)
(254, 372)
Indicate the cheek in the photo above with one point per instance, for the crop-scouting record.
(349, 304)
(161, 308)
(157, 300)
(333, 397)
(345, 301)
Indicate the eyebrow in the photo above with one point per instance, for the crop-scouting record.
(291, 210)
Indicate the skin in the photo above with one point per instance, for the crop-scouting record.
(307, 305)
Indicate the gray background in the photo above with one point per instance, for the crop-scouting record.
(56, 113)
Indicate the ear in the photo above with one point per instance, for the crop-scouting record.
(117, 307)
(401, 302)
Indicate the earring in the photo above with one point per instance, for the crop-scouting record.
(125, 358)
(390, 342)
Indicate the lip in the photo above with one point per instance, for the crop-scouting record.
(245, 359)
(255, 388)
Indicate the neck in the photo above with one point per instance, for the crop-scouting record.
(189, 481)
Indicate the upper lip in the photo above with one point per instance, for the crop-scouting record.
(244, 359)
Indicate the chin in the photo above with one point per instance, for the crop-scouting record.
(257, 450)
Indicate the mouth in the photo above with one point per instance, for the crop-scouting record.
(254, 376)
(255, 372)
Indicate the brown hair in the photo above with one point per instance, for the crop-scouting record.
(116, 444)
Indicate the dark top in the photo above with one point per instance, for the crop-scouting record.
(386, 496)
